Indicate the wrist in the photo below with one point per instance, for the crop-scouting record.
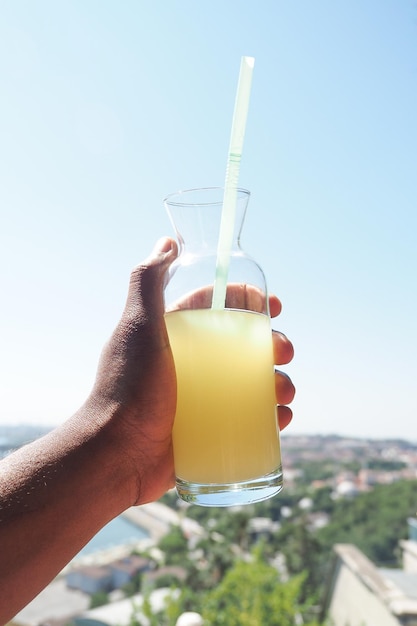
(68, 480)
(97, 443)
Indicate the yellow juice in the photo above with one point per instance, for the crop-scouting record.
(225, 428)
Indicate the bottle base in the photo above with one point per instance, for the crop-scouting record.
(231, 494)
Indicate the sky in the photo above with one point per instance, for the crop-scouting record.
(106, 107)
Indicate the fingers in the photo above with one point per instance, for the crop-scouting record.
(284, 416)
(284, 389)
(238, 296)
(275, 306)
(283, 348)
(245, 297)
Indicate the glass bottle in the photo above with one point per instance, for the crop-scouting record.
(225, 436)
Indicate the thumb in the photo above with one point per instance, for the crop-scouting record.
(148, 278)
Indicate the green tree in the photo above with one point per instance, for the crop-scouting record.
(166, 580)
(188, 600)
(152, 619)
(175, 546)
(133, 586)
(251, 594)
(234, 527)
(316, 470)
(322, 500)
(217, 558)
(98, 599)
(374, 521)
(386, 465)
(303, 554)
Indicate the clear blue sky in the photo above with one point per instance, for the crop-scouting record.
(106, 107)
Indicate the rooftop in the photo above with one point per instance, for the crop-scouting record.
(396, 589)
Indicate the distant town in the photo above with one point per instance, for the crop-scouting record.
(346, 519)
(348, 464)
(316, 448)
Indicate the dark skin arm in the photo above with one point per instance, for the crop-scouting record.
(115, 452)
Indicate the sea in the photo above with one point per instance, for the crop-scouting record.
(118, 532)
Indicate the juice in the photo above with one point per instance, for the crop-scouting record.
(225, 428)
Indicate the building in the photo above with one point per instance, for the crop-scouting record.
(124, 570)
(169, 574)
(361, 594)
(117, 574)
(91, 579)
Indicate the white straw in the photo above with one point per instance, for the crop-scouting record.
(232, 176)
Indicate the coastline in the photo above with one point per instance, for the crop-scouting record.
(155, 518)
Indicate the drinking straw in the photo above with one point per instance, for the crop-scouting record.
(232, 176)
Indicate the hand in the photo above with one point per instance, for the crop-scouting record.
(116, 451)
(283, 353)
(136, 377)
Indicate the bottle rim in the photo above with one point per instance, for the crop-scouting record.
(178, 198)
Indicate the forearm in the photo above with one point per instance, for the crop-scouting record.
(55, 494)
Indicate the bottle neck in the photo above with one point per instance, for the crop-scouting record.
(197, 224)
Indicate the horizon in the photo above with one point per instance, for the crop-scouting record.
(284, 434)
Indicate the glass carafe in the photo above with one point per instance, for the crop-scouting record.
(225, 436)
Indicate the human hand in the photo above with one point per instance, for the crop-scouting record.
(116, 451)
(136, 379)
